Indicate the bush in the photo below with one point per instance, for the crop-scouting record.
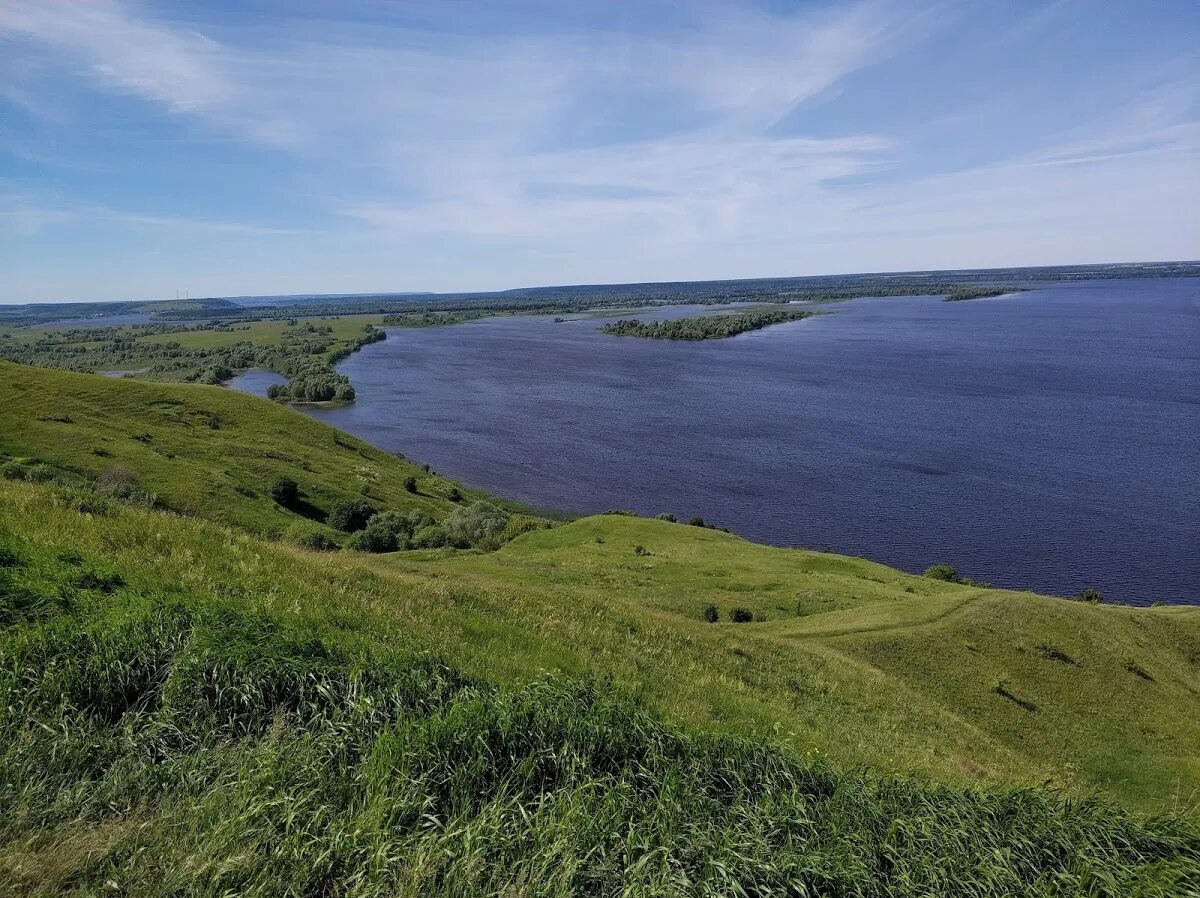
(696, 522)
(40, 473)
(118, 483)
(943, 572)
(471, 525)
(285, 492)
(350, 515)
(666, 516)
(710, 614)
(741, 615)
(1090, 595)
(454, 495)
(429, 537)
(312, 539)
(410, 484)
(388, 531)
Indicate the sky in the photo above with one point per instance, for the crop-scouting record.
(155, 149)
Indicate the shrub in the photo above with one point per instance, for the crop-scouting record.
(640, 550)
(429, 537)
(350, 515)
(696, 522)
(666, 516)
(83, 502)
(118, 483)
(312, 539)
(454, 495)
(285, 492)
(1090, 595)
(471, 525)
(40, 473)
(943, 572)
(710, 614)
(386, 532)
(741, 615)
(410, 484)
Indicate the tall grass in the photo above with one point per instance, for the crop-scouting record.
(155, 744)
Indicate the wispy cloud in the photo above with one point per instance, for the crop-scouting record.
(637, 148)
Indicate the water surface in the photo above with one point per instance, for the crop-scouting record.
(1048, 440)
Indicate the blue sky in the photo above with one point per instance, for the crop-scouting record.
(294, 147)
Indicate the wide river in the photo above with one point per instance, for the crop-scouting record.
(1048, 440)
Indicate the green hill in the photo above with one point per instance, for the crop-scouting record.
(192, 707)
(202, 451)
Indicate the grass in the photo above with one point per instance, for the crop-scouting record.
(172, 728)
(345, 329)
(192, 708)
(205, 451)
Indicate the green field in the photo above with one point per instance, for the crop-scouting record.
(194, 707)
(304, 350)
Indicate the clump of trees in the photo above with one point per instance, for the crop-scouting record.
(704, 327)
(389, 531)
(480, 525)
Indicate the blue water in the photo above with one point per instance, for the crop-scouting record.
(1048, 440)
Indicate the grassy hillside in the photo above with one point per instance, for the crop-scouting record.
(202, 450)
(184, 710)
(189, 708)
(867, 664)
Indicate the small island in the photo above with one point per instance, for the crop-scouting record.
(963, 293)
(706, 327)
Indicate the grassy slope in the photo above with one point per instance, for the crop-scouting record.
(868, 664)
(856, 661)
(206, 451)
(189, 711)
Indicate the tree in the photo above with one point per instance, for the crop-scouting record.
(410, 484)
(285, 492)
(350, 515)
(470, 525)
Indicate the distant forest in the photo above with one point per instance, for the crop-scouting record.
(567, 299)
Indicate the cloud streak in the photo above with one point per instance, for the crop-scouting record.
(641, 152)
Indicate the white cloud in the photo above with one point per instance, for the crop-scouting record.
(607, 154)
